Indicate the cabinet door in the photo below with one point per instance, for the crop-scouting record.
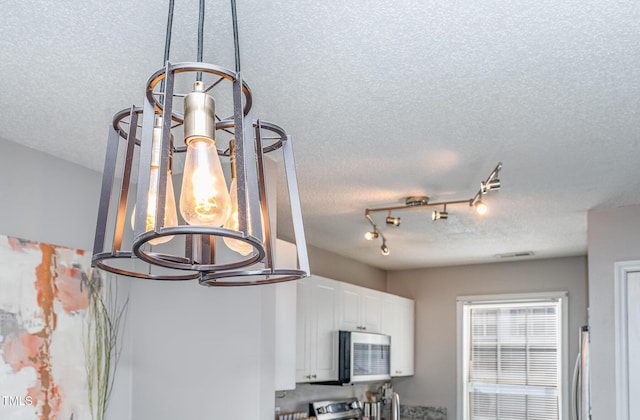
(390, 326)
(371, 310)
(359, 308)
(406, 328)
(324, 294)
(398, 321)
(317, 321)
(302, 330)
(350, 307)
(388, 319)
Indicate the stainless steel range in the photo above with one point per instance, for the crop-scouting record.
(332, 410)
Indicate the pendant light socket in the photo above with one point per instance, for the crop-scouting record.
(199, 114)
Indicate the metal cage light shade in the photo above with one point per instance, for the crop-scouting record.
(195, 251)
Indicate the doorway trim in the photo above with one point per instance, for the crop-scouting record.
(621, 278)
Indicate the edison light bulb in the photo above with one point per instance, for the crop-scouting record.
(241, 247)
(170, 213)
(204, 199)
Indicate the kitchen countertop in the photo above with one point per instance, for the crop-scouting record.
(410, 412)
(419, 418)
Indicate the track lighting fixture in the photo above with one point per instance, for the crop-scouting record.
(492, 183)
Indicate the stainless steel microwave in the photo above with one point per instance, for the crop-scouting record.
(363, 357)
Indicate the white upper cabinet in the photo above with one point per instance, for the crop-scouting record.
(316, 327)
(325, 306)
(398, 320)
(360, 308)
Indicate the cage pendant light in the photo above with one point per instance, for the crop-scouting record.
(140, 142)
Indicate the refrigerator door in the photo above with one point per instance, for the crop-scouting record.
(581, 386)
(585, 376)
(575, 390)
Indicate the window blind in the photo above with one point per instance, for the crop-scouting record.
(514, 360)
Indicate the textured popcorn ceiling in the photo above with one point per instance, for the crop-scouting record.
(384, 99)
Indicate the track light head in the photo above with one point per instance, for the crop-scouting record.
(491, 185)
(395, 221)
(384, 249)
(481, 208)
(371, 235)
(437, 215)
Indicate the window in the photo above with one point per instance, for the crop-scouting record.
(512, 353)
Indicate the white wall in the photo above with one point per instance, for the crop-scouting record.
(47, 199)
(435, 290)
(614, 235)
(198, 352)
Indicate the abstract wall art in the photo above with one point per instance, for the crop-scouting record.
(43, 300)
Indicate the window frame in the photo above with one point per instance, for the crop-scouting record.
(462, 352)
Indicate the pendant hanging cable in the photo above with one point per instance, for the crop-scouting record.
(167, 40)
(200, 37)
(236, 42)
